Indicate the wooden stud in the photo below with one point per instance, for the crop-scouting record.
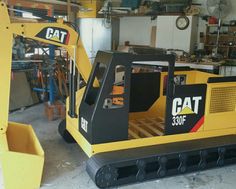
(141, 130)
(156, 123)
(153, 129)
(133, 134)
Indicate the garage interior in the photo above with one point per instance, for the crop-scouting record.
(117, 94)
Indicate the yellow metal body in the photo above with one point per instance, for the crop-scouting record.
(21, 154)
(216, 124)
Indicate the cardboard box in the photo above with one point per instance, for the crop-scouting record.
(93, 5)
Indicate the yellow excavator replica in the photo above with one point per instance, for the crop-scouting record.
(134, 121)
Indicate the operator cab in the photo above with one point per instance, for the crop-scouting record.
(125, 100)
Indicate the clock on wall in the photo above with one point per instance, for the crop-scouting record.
(182, 22)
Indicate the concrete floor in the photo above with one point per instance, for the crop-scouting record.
(65, 163)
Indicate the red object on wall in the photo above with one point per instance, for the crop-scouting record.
(212, 20)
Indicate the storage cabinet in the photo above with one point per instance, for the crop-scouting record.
(227, 40)
(228, 70)
(136, 30)
(170, 37)
(95, 35)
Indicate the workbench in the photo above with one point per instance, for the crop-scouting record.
(211, 67)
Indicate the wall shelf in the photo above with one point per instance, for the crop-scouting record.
(227, 36)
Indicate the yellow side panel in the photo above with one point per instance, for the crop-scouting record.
(220, 121)
(202, 77)
(22, 171)
(135, 143)
(220, 111)
(72, 125)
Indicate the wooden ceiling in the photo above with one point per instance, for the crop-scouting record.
(59, 7)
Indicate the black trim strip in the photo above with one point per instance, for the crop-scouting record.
(221, 79)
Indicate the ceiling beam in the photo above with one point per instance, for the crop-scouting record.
(59, 6)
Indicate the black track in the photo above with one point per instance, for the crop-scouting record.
(142, 164)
